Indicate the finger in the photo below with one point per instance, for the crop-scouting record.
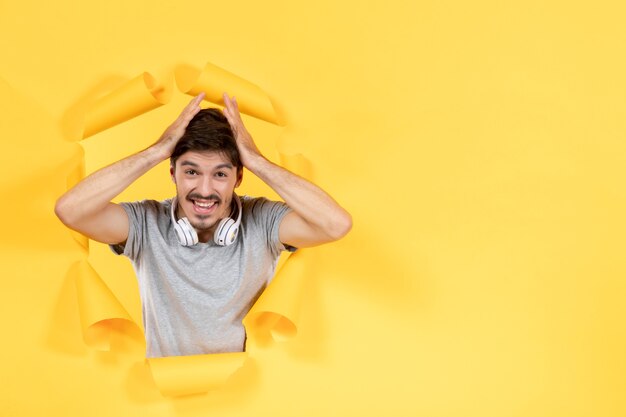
(198, 99)
(192, 108)
(194, 105)
(229, 109)
(226, 109)
(227, 103)
(233, 107)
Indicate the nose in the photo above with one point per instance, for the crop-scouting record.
(205, 186)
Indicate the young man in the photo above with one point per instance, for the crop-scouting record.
(194, 295)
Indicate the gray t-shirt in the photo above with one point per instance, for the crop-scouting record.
(195, 297)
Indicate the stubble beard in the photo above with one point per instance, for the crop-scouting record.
(199, 222)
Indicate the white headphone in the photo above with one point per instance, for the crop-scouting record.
(225, 233)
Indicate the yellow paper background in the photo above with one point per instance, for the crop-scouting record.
(107, 291)
(479, 145)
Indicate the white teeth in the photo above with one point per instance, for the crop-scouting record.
(204, 205)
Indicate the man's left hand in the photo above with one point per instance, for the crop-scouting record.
(248, 150)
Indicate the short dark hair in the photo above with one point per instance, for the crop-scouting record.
(208, 131)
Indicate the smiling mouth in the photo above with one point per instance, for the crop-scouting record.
(204, 207)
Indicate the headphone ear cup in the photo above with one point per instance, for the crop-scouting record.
(231, 234)
(222, 231)
(190, 235)
(228, 228)
(185, 232)
(180, 234)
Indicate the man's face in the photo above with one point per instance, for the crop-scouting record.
(205, 182)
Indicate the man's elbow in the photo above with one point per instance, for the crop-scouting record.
(341, 226)
(63, 211)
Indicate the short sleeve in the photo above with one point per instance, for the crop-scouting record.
(136, 218)
(268, 215)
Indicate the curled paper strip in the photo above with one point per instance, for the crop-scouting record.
(185, 375)
(134, 98)
(214, 80)
(100, 310)
(143, 94)
(275, 314)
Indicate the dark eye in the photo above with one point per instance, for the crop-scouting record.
(191, 172)
(221, 174)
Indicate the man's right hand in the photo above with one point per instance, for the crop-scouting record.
(168, 140)
(87, 207)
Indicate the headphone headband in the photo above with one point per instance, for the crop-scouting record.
(225, 233)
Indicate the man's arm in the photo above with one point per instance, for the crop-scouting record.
(316, 218)
(87, 207)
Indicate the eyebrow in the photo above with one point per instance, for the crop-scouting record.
(220, 166)
(193, 164)
(224, 165)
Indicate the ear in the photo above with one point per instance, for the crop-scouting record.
(172, 174)
(239, 178)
